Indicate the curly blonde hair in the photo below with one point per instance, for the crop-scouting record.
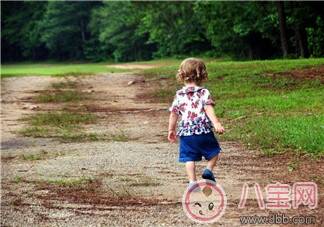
(192, 70)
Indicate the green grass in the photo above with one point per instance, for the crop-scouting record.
(279, 133)
(67, 84)
(56, 69)
(71, 182)
(61, 119)
(31, 157)
(157, 62)
(163, 94)
(17, 179)
(144, 181)
(41, 156)
(274, 114)
(119, 137)
(61, 96)
(63, 125)
(67, 134)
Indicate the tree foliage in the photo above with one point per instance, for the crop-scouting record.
(126, 31)
(175, 28)
(117, 26)
(64, 28)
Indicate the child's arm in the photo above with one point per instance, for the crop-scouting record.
(172, 127)
(211, 114)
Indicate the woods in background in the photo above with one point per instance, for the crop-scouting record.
(127, 31)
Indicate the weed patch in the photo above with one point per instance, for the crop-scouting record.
(119, 137)
(145, 181)
(80, 182)
(61, 119)
(40, 156)
(61, 96)
(67, 84)
(17, 179)
(63, 125)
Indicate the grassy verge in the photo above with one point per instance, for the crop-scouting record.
(266, 111)
(56, 69)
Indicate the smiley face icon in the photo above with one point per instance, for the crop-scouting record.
(204, 202)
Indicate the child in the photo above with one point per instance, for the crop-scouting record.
(194, 108)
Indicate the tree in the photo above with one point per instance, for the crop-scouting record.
(64, 28)
(20, 37)
(117, 25)
(303, 18)
(175, 28)
(242, 30)
(127, 31)
(283, 29)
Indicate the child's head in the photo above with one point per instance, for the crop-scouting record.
(192, 70)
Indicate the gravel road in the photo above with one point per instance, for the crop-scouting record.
(134, 182)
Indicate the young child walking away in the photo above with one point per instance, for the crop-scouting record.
(193, 109)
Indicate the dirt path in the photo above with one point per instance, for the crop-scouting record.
(136, 181)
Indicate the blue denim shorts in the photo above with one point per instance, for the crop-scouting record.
(193, 148)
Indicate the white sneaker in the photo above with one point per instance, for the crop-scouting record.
(194, 184)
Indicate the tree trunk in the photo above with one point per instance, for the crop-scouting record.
(82, 29)
(301, 40)
(283, 30)
(304, 43)
(250, 52)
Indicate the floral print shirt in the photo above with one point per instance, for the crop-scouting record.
(189, 103)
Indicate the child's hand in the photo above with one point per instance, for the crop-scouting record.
(219, 128)
(172, 137)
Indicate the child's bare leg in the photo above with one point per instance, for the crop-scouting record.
(212, 163)
(191, 171)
